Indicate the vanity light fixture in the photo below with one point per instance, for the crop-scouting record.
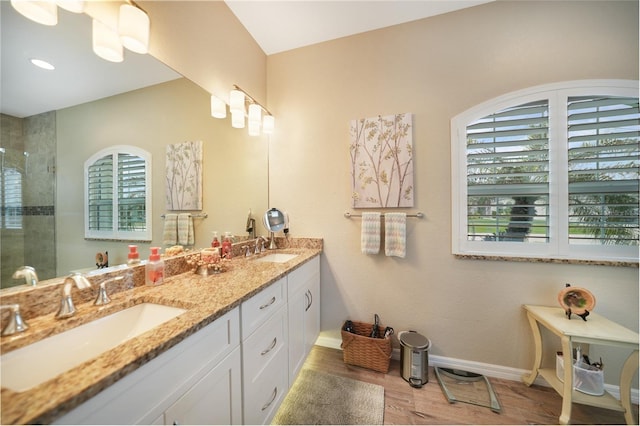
(268, 124)
(44, 12)
(218, 107)
(237, 119)
(75, 6)
(133, 27)
(106, 42)
(238, 100)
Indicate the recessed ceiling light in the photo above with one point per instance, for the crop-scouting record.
(42, 64)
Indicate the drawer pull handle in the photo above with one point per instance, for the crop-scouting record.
(273, 345)
(269, 303)
(273, 398)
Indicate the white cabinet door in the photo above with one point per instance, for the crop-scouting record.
(303, 287)
(312, 316)
(297, 345)
(215, 399)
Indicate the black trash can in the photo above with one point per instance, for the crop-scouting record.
(414, 358)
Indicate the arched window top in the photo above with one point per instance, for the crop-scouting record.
(549, 172)
(118, 194)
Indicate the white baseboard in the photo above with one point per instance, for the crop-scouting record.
(489, 370)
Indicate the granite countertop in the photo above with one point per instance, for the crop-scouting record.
(204, 298)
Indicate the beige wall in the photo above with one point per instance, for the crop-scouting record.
(436, 68)
(234, 164)
(206, 43)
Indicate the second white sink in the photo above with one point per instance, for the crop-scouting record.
(277, 257)
(38, 362)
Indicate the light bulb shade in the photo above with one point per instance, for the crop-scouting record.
(268, 124)
(218, 107)
(254, 128)
(236, 102)
(75, 6)
(255, 114)
(106, 42)
(237, 119)
(43, 12)
(133, 27)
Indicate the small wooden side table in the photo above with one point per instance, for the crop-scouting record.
(597, 330)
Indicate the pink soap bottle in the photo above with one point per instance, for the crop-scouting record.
(154, 270)
(226, 247)
(133, 256)
(215, 242)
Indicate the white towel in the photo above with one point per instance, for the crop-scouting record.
(185, 229)
(370, 233)
(170, 232)
(395, 229)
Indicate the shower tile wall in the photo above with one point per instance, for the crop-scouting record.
(34, 244)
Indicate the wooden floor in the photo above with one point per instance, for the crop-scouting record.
(427, 405)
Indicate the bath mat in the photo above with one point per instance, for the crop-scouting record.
(470, 388)
(320, 398)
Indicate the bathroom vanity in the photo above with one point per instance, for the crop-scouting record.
(228, 359)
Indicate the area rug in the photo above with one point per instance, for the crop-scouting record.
(319, 398)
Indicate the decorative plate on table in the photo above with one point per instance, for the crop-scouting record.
(576, 299)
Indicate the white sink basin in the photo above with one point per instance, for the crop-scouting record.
(277, 257)
(38, 362)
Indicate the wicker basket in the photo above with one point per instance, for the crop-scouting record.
(363, 351)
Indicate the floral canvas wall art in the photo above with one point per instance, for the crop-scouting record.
(184, 176)
(382, 161)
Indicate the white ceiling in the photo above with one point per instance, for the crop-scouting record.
(283, 25)
(81, 76)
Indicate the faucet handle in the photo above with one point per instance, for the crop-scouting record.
(16, 323)
(103, 298)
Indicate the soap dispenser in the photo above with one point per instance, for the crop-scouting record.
(133, 256)
(215, 242)
(154, 269)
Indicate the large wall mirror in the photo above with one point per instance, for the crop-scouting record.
(44, 147)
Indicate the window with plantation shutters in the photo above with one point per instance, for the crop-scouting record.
(603, 170)
(118, 194)
(508, 174)
(11, 198)
(549, 172)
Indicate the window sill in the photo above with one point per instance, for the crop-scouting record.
(549, 260)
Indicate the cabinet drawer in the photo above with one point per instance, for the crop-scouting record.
(260, 307)
(263, 345)
(300, 278)
(264, 394)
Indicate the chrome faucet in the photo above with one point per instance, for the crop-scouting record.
(259, 245)
(16, 324)
(67, 309)
(28, 273)
(103, 297)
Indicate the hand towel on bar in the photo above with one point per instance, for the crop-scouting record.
(185, 229)
(370, 233)
(395, 229)
(170, 232)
